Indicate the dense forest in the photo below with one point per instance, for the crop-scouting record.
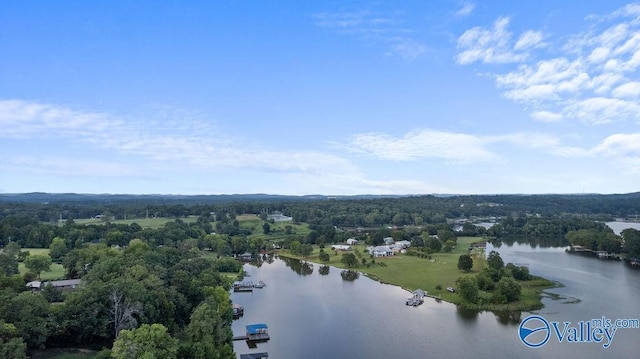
(167, 285)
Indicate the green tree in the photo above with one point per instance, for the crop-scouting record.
(30, 313)
(52, 294)
(266, 228)
(148, 342)
(507, 290)
(468, 288)
(323, 256)
(632, 242)
(207, 332)
(58, 249)
(38, 263)
(349, 259)
(465, 262)
(12, 249)
(8, 265)
(306, 250)
(495, 261)
(11, 344)
(434, 244)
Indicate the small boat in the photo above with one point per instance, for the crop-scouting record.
(238, 310)
(242, 287)
(260, 284)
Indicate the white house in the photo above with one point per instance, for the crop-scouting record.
(380, 251)
(60, 284)
(352, 241)
(277, 216)
(340, 247)
(403, 244)
(388, 240)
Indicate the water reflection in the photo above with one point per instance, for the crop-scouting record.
(301, 267)
(467, 315)
(508, 317)
(324, 270)
(349, 275)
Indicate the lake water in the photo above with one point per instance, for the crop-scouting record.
(323, 316)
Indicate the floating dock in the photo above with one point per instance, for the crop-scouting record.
(417, 298)
(255, 333)
(243, 287)
(254, 355)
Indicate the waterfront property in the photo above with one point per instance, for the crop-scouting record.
(246, 257)
(255, 333)
(380, 251)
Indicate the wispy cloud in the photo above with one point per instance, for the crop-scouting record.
(192, 141)
(594, 81)
(66, 166)
(163, 142)
(384, 30)
(495, 45)
(463, 148)
(465, 10)
(420, 144)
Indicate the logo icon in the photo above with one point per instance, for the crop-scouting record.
(534, 331)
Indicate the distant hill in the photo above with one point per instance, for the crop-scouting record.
(42, 197)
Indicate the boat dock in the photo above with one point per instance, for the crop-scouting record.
(255, 333)
(254, 355)
(417, 298)
(243, 287)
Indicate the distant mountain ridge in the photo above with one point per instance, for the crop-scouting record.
(44, 197)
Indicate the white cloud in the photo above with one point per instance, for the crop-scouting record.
(620, 145)
(66, 166)
(594, 81)
(530, 39)
(623, 149)
(547, 116)
(201, 146)
(465, 10)
(494, 46)
(380, 29)
(406, 48)
(601, 110)
(629, 89)
(418, 144)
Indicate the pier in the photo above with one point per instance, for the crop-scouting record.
(255, 333)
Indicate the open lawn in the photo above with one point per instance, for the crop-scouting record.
(152, 223)
(57, 271)
(278, 230)
(63, 353)
(411, 272)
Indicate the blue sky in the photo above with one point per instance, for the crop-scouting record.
(319, 97)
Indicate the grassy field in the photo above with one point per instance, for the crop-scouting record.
(254, 224)
(152, 223)
(57, 271)
(67, 353)
(441, 271)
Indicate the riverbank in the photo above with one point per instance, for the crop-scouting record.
(434, 275)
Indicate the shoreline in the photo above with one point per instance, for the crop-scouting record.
(533, 290)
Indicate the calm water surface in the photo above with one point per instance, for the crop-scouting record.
(323, 316)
